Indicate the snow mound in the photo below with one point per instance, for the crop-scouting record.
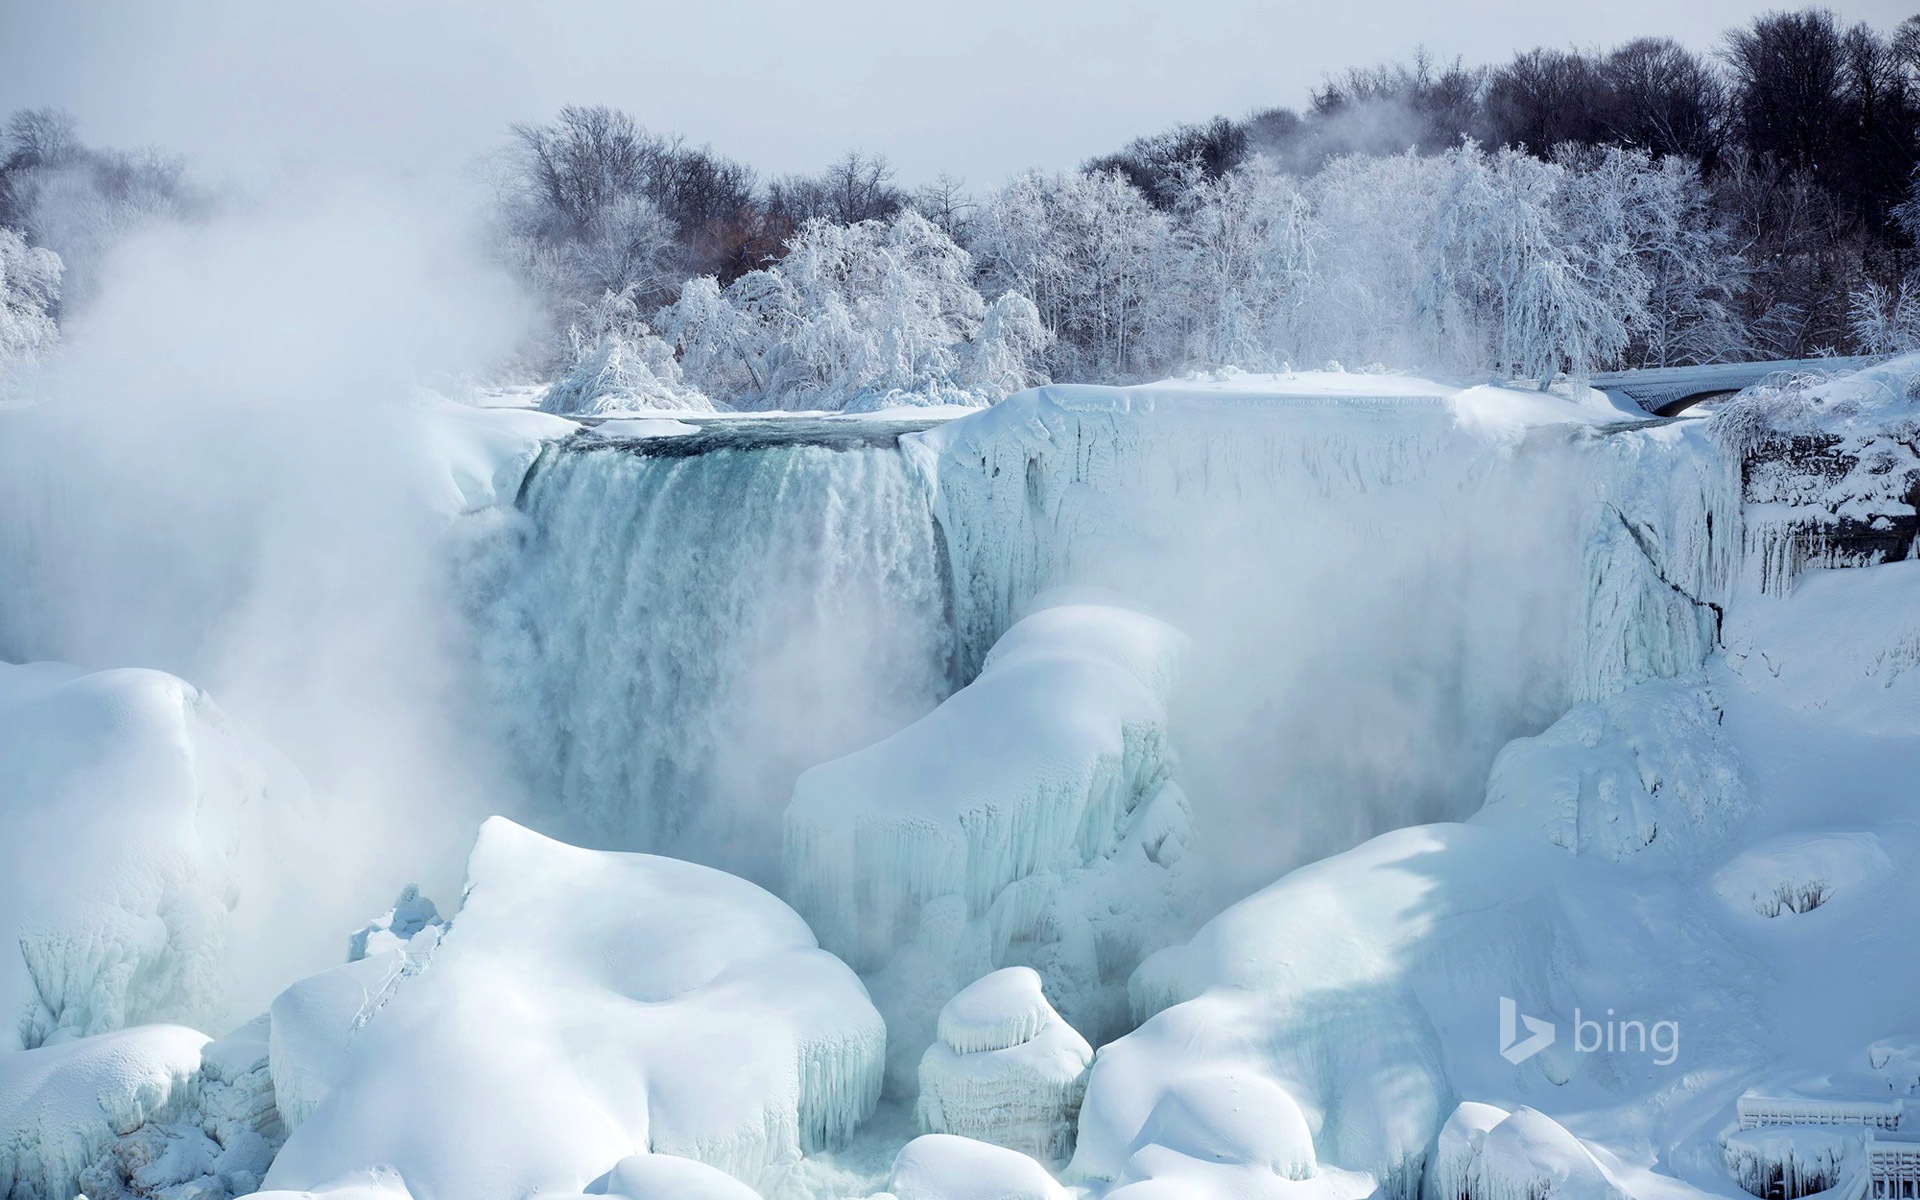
(1457, 1148)
(996, 1012)
(1529, 1156)
(1031, 819)
(940, 1166)
(1646, 770)
(137, 819)
(668, 1177)
(1796, 873)
(62, 1106)
(1006, 1070)
(586, 1006)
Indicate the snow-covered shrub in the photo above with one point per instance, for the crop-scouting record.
(626, 371)
(855, 316)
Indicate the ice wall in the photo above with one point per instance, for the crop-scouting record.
(1385, 579)
(673, 628)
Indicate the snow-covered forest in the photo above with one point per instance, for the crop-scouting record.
(1567, 211)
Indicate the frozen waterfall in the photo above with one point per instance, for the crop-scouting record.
(675, 626)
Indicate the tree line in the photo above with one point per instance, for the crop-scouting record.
(1566, 211)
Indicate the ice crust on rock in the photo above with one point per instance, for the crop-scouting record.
(938, 1166)
(1006, 1070)
(606, 1004)
(137, 817)
(1031, 819)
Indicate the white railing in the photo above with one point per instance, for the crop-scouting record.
(1756, 1111)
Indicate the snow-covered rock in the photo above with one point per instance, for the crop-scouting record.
(1006, 1070)
(1831, 469)
(1647, 770)
(583, 1007)
(1033, 817)
(137, 820)
(940, 1166)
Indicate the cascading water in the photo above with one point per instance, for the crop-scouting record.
(683, 624)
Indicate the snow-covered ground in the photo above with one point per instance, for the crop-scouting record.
(1323, 785)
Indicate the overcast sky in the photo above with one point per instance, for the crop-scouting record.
(981, 88)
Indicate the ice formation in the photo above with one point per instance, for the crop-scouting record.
(674, 627)
(1006, 1069)
(137, 818)
(939, 1166)
(62, 1105)
(1644, 770)
(1528, 1156)
(1456, 1150)
(604, 1004)
(1031, 819)
(216, 1144)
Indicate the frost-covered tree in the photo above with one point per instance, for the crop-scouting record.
(29, 293)
(80, 202)
(1092, 254)
(1007, 352)
(1244, 247)
(861, 315)
(618, 364)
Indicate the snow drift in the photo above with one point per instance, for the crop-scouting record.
(603, 1005)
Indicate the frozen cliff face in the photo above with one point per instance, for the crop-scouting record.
(1830, 469)
(1647, 770)
(1006, 1070)
(138, 822)
(1385, 578)
(1031, 819)
(674, 626)
(603, 1005)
